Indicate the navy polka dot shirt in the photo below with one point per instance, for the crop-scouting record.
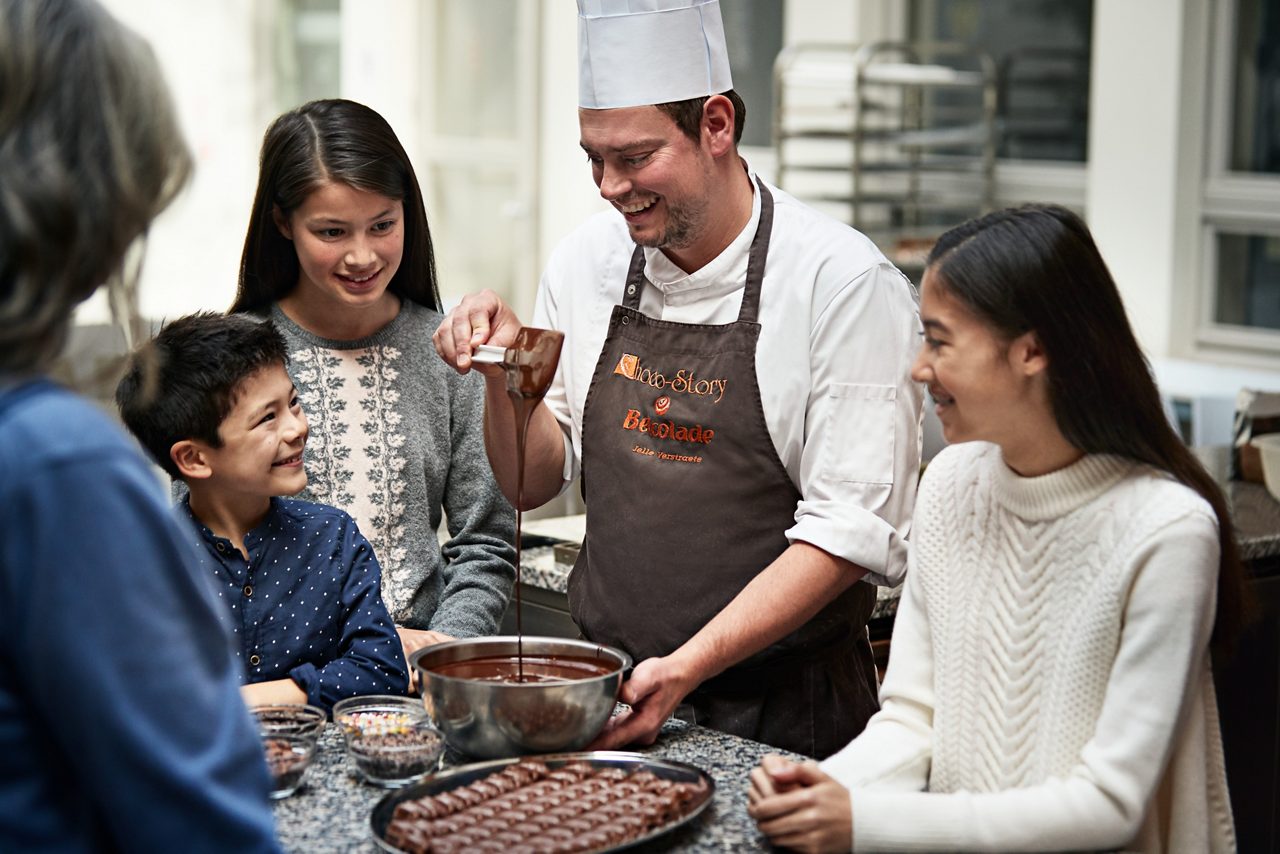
(307, 604)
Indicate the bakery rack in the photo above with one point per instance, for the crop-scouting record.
(897, 139)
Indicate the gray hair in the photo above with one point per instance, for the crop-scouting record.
(90, 153)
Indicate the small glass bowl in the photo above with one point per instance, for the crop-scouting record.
(397, 757)
(290, 719)
(390, 740)
(288, 757)
(377, 713)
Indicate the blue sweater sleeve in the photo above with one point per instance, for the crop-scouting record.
(369, 658)
(117, 651)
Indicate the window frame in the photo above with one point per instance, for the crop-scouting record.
(442, 148)
(1231, 202)
(1018, 180)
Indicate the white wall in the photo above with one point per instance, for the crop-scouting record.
(206, 52)
(1138, 175)
(568, 194)
(821, 21)
(382, 65)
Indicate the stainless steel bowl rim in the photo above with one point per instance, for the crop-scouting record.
(489, 719)
(478, 645)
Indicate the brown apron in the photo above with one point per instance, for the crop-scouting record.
(687, 502)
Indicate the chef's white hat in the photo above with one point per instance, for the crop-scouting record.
(637, 52)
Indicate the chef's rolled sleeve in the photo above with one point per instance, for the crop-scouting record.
(858, 536)
(860, 461)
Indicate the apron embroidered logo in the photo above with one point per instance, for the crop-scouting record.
(627, 366)
(669, 430)
(661, 405)
(684, 381)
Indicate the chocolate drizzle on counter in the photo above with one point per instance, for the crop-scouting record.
(530, 363)
(527, 808)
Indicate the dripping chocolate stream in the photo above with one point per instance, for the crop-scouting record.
(530, 364)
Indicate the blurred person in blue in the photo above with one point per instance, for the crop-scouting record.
(121, 722)
(211, 401)
(735, 392)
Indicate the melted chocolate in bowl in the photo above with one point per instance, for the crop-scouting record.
(528, 668)
(531, 364)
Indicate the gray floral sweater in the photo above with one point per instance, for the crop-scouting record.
(396, 439)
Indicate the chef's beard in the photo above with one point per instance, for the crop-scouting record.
(685, 224)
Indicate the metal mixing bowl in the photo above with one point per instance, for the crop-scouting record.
(492, 720)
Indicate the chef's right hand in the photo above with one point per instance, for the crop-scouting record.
(481, 318)
(656, 687)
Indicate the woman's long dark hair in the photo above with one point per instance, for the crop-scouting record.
(330, 140)
(1036, 268)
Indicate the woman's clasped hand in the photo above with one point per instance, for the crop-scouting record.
(800, 807)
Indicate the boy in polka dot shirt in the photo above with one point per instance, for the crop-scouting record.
(210, 400)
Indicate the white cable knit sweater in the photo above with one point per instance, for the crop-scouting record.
(1049, 686)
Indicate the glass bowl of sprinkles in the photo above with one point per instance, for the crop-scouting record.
(390, 740)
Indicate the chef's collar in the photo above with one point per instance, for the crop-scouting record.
(634, 53)
(723, 274)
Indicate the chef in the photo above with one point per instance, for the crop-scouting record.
(734, 391)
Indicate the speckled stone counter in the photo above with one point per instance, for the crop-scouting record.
(331, 812)
(1257, 519)
(538, 568)
(1255, 513)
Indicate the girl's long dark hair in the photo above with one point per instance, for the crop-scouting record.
(1036, 268)
(330, 140)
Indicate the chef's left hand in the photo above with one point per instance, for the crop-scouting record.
(656, 687)
(807, 809)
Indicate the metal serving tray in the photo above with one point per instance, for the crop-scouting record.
(631, 762)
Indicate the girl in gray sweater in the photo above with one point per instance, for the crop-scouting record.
(339, 256)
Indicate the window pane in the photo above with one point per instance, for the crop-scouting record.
(1248, 280)
(753, 36)
(308, 56)
(475, 230)
(475, 68)
(1041, 49)
(1255, 146)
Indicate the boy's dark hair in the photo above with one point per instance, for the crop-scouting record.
(183, 383)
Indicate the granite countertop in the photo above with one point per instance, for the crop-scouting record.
(1257, 519)
(1254, 511)
(331, 812)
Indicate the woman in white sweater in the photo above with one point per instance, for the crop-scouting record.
(1071, 563)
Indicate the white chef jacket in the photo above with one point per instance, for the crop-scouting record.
(840, 328)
